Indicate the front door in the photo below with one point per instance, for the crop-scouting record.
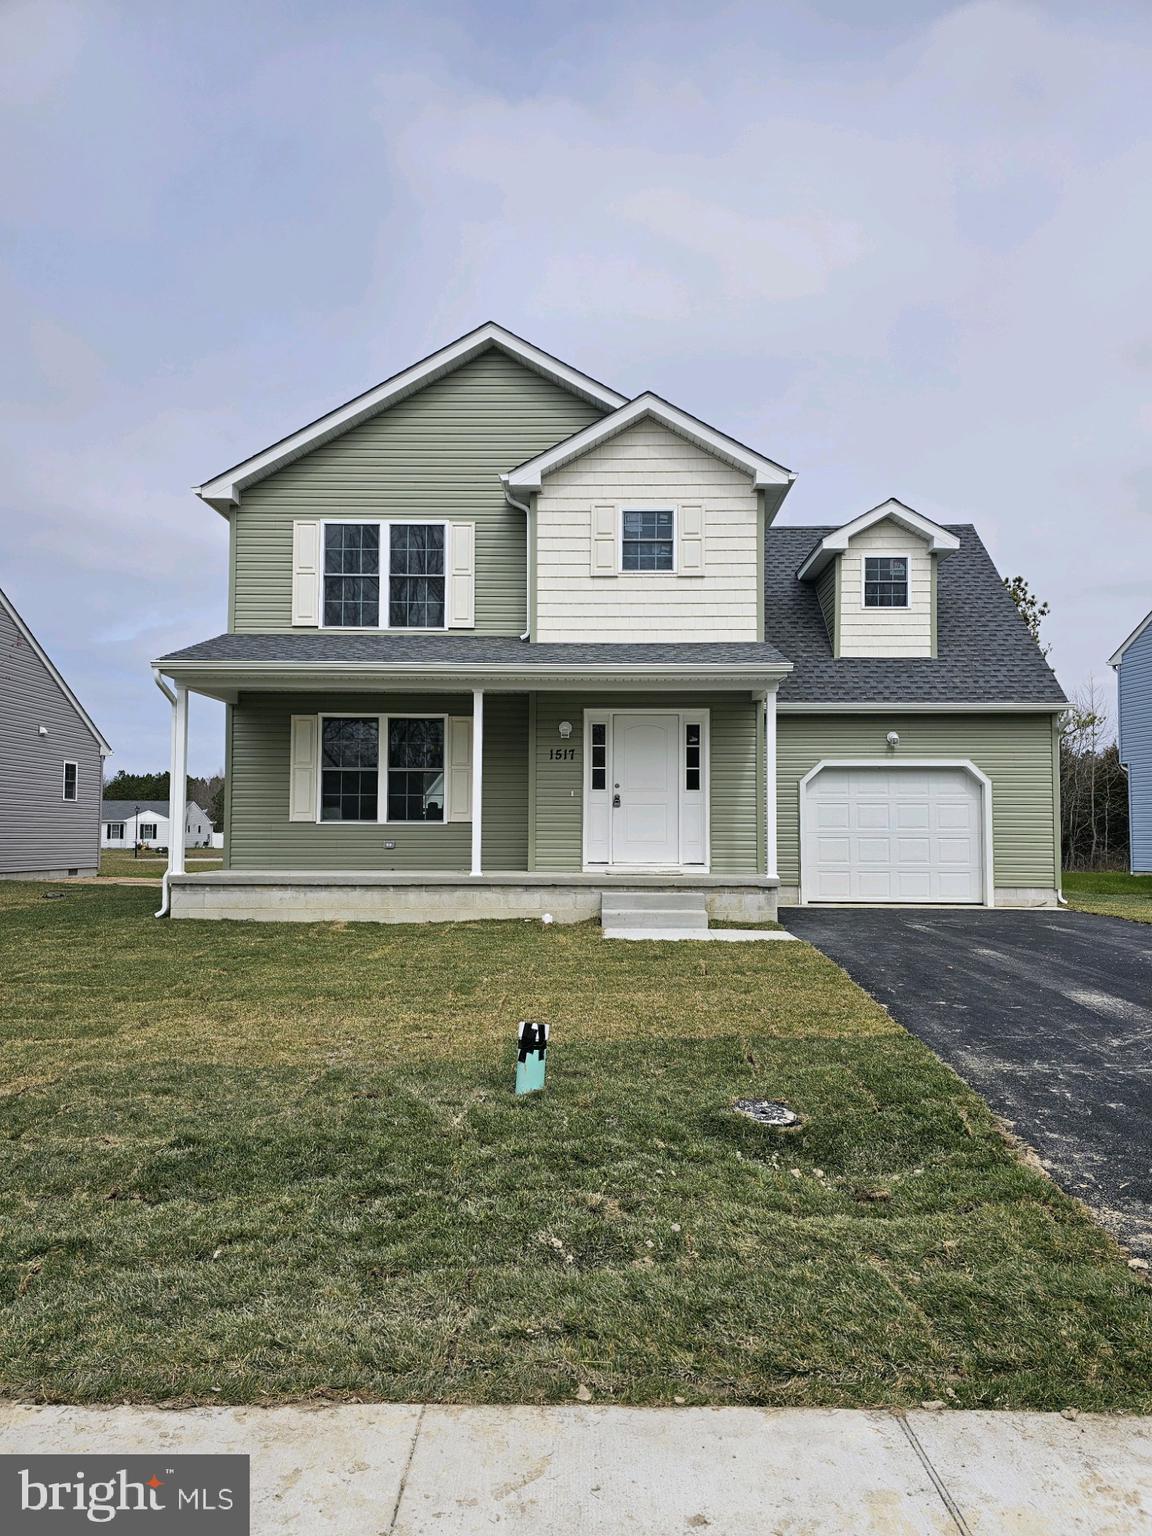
(645, 815)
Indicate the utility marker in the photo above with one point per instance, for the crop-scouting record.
(533, 1043)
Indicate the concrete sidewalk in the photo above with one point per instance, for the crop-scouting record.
(412, 1471)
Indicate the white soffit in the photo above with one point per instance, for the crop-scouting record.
(938, 539)
(223, 491)
(526, 477)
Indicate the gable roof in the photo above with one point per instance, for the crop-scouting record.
(985, 654)
(124, 810)
(223, 490)
(765, 473)
(1118, 656)
(940, 541)
(41, 653)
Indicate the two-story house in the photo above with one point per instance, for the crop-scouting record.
(1133, 667)
(502, 640)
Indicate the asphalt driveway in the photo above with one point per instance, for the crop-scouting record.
(1047, 1014)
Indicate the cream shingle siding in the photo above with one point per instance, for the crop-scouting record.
(646, 465)
(886, 631)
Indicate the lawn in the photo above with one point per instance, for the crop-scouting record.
(1110, 893)
(245, 1163)
(120, 862)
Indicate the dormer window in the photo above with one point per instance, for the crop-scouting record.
(886, 581)
(647, 539)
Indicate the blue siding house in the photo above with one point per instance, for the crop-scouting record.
(1133, 664)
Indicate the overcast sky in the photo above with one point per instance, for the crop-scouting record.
(902, 247)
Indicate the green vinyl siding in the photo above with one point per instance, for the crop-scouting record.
(438, 453)
(1015, 751)
(558, 791)
(260, 836)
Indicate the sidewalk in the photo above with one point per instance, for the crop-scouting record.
(395, 1470)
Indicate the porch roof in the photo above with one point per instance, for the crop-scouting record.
(451, 662)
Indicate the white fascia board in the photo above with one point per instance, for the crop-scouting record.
(901, 708)
(939, 540)
(223, 491)
(105, 748)
(1118, 656)
(526, 477)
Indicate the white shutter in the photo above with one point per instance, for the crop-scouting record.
(461, 604)
(302, 768)
(690, 561)
(306, 572)
(460, 768)
(603, 541)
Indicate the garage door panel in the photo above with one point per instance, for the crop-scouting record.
(902, 835)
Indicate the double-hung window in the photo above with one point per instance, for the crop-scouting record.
(384, 575)
(146, 831)
(115, 830)
(413, 767)
(647, 539)
(69, 791)
(885, 581)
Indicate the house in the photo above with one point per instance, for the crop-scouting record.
(51, 763)
(502, 640)
(126, 823)
(1133, 666)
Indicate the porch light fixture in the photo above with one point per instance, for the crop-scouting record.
(893, 739)
(565, 729)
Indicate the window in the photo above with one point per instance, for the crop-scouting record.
(349, 770)
(114, 831)
(647, 540)
(69, 790)
(599, 755)
(146, 831)
(408, 557)
(885, 581)
(692, 756)
(352, 575)
(416, 575)
(415, 770)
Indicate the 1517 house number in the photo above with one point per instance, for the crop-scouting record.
(562, 754)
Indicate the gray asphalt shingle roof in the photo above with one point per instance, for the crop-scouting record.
(120, 810)
(985, 654)
(472, 650)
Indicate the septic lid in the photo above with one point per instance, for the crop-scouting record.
(766, 1111)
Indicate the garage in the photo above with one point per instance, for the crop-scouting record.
(913, 832)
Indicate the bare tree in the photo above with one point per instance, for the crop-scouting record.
(1093, 786)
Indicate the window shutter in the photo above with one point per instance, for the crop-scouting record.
(604, 541)
(305, 573)
(461, 604)
(460, 768)
(302, 768)
(690, 561)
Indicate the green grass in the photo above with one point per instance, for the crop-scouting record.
(119, 862)
(248, 1163)
(1110, 893)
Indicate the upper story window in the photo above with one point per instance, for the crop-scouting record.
(647, 539)
(70, 778)
(885, 581)
(409, 559)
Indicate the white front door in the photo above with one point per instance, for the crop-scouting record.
(645, 787)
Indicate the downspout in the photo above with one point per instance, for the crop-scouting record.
(528, 555)
(164, 887)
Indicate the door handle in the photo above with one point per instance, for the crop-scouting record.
(615, 802)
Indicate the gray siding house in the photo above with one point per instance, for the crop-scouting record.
(505, 642)
(51, 763)
(1133, 665)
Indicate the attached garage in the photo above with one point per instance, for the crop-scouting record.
(917, 832)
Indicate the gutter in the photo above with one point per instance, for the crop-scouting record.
(522, 506)
(165, 888)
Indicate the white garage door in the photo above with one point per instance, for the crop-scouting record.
(880, 834)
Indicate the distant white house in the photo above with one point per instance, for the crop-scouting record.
(124, 823)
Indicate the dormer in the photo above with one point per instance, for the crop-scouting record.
(875, 579)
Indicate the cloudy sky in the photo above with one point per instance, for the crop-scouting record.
(902, 247)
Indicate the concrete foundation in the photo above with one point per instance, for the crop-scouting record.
(86, 871)
(312, 897)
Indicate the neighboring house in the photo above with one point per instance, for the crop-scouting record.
(51, 763)
(125, 823)
(502, 640)
(1133, 664)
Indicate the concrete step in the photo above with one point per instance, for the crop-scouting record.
(658, 901)
(709, 935)
(655, 917)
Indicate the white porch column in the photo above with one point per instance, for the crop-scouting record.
(770, 868)
(477, 777)
(178, 782)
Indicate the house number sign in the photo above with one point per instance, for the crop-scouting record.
(561, 754)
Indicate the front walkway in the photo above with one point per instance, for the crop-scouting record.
(413, 1471)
